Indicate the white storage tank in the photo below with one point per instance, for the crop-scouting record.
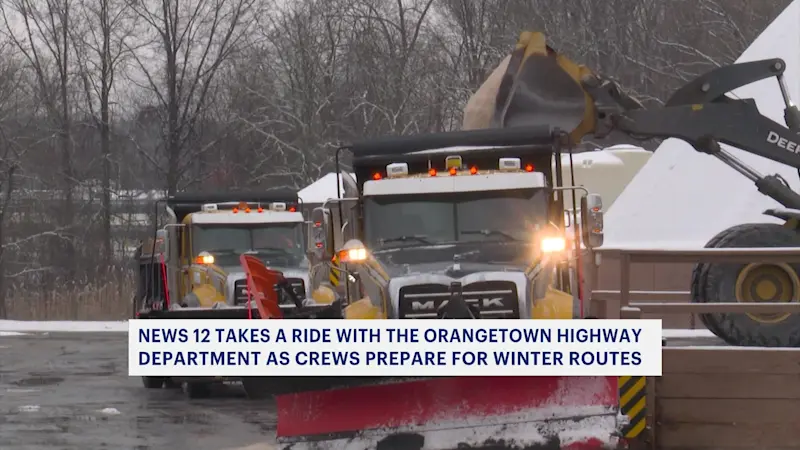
(604, 171)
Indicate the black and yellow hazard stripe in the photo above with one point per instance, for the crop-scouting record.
(632, 403)
(335, 272)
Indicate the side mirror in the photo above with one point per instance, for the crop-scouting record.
(592, 220)
(171, 241)
(318, 234)
(353, 252)
(161, 244)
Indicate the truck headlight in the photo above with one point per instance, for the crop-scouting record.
(553, 244)
(353, 252)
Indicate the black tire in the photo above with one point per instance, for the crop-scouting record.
(153, 382)
(196, 390)
(718, 285)
(258, 388)
(699, 277)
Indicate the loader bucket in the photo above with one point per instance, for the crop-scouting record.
(454, 413)
(542, 87)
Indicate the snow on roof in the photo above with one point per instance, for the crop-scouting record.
(322, 189)
(687, 197)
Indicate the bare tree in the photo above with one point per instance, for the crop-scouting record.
(11, 151)
(43, 39)
(102, 43)
(193, 40)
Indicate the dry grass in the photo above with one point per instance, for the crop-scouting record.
(110, 300)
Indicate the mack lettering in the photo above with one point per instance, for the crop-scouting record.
(484, 303)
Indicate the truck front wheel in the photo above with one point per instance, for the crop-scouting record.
(153, 382)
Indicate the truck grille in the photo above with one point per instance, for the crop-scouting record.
(240, 292)
(494, 299)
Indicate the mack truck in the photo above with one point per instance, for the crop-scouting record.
(484, 223)
(190, 267)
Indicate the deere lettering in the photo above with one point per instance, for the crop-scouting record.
(775, 138)
(496, 302)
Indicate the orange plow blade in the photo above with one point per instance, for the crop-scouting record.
(570, 413)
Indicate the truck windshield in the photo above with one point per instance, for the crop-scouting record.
(430, 219)
(277, 243)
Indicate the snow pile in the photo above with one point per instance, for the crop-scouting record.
(322, 189)
(11, 333)
(684, 196)
(7, 327)
(256, 447)
(29, 408)
(686, 334)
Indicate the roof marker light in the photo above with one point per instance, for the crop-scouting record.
(247, 210)
(292, 209)
(528, 167)
(453, 171)
(432, 172)
(235, 210)
(260, 209)
(510, 164)
(473, 170)
(453, 161)
(396, 170)
(376, 176)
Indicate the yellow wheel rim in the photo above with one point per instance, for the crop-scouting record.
(767, 283)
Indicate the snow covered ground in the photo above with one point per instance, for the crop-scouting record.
(19, 327)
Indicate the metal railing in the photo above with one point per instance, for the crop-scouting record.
(619, 304)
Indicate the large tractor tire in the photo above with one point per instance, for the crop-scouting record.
(725, 282)
(699, 277)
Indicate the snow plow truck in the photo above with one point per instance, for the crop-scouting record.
(461, 225)
(192, 266)
(438, 226)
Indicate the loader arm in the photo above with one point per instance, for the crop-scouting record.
(541, 81)
(702, 115)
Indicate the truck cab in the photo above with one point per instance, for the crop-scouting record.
(201, 245)
(482, 224)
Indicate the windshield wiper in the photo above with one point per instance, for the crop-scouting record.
(492, 233)
(421, 238)
(270, 249)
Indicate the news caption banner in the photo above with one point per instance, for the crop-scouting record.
(234, 348)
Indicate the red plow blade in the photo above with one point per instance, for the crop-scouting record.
(448, 413)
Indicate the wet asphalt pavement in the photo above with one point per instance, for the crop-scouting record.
(65, 391)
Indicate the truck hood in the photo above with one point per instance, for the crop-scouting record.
(454, 260)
